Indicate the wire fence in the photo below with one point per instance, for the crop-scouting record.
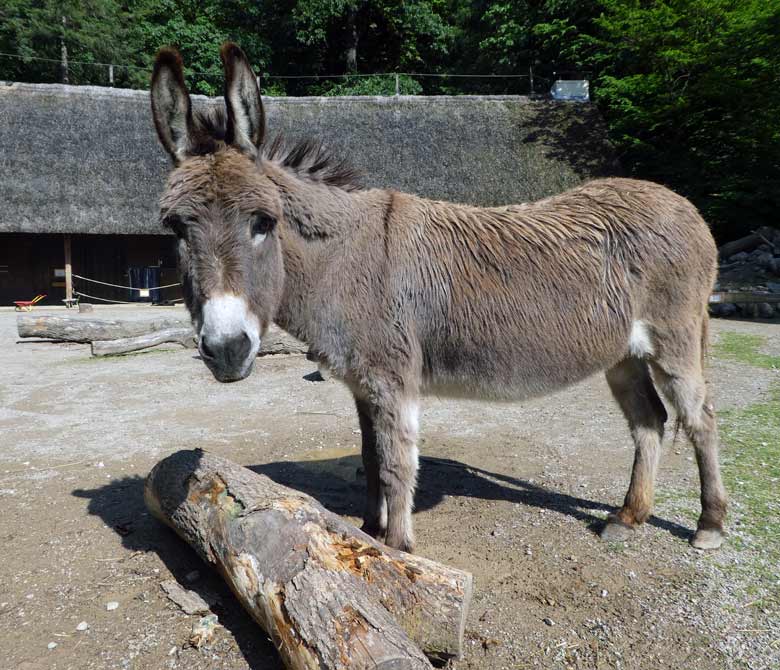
(15, 67)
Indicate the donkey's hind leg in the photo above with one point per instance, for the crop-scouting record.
(634, 391)
(683, 384)
(375, 513)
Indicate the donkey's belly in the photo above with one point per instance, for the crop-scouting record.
(511, 374)
(496, 389)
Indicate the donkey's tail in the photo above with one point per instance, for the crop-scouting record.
(704, 347)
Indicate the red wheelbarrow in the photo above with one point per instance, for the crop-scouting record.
(27, 305)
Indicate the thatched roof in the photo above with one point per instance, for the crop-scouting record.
(86, 159)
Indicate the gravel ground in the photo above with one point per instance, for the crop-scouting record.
(510, 492)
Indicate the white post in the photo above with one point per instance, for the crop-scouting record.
(111, 75)
(68, 271)
(531, 75)
(397, 85)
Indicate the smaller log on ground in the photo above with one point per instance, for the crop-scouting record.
(329, 595)
(81, 329)
(183, 336)
(277, 341)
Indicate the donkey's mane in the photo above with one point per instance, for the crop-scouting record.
(308, 158)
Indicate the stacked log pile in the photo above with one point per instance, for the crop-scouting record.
(749, 277)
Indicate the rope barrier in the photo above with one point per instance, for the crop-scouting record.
(129, 288)
(94, 297)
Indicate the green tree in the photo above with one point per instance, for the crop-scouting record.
(690, 91)
(375, 35)
(65, 32)
(197, 29)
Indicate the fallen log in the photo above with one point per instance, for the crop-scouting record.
(327, 594)
(277, 341)
(758, 237)
(80, 329)
(182, 336)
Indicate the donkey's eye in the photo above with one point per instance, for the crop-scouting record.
(261, 226)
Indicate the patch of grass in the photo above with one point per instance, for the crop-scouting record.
(744, 348)
(751, 466)
(751, 463)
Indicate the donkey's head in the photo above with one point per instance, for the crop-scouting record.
(224, 210)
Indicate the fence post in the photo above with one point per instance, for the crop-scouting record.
(531, 75)
(68, 270)
(111, 75)
(397, 85)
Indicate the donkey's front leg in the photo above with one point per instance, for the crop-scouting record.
(395, 430)
(375, 513)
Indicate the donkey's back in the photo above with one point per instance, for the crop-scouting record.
(513, 301)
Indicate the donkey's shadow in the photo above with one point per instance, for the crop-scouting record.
(120, 504)
(337, 484)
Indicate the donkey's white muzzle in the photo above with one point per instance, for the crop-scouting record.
(229, 337)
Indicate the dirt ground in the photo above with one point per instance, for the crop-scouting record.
(510, 492)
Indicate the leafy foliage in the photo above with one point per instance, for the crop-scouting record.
(374, 85)
(93, 31)
(690, 91)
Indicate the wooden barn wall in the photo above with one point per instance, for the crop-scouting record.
(28, 262)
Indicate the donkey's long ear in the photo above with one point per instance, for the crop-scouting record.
(171, 107)
(245, 115)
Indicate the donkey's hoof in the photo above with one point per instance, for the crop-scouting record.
(616, 531)
(709, 538)
(374, 530)
(406, 544)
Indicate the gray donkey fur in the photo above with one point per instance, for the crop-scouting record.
(401, 296)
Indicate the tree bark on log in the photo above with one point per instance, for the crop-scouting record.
(80, 329)
(329, 595)
(182, 336)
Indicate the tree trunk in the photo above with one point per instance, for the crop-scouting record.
(183, 336)
(64, 53)
(329, 595)
(352, 37)
(80, 329)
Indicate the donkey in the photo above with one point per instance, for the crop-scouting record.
(402, 296)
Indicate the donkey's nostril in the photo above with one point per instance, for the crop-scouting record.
(205, 350)
(237, 349)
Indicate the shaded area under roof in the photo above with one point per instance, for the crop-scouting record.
(82, 159)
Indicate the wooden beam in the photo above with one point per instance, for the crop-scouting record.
(80, 329)
(742, 296)
(68, 270)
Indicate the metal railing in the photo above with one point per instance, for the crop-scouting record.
(126, 75)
